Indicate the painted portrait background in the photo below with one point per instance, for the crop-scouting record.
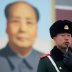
(43, 41)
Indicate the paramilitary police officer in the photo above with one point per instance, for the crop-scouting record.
(61, 32)
(19, 55)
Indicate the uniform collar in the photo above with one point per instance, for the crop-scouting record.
(14, 59)
(57, 54)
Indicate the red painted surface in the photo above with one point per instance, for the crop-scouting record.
(63, 14)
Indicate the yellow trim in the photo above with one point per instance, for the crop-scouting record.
(53, 11)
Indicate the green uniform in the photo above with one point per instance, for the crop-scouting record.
(45, 64)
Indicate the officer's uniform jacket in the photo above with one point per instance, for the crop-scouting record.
(45, 65)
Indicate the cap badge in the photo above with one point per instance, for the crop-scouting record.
(66, 27)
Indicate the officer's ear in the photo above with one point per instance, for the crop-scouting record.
(54, 38)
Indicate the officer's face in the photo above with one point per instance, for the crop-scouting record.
(63, 40)
(22, 25)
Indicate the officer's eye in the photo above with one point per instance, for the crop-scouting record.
(69, 35)
(62, 35)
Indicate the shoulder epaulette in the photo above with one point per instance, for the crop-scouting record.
(44, 55)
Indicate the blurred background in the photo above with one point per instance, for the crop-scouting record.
(63, 9)
(50, 11)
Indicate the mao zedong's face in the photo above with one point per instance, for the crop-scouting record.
(22, 25)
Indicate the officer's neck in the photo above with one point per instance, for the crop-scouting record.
(63, 50)
(24, 52)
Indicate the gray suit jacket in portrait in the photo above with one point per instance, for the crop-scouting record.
(10, 62)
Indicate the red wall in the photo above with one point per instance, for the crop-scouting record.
(63, 14)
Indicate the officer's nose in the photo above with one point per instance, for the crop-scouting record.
(67, 37)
